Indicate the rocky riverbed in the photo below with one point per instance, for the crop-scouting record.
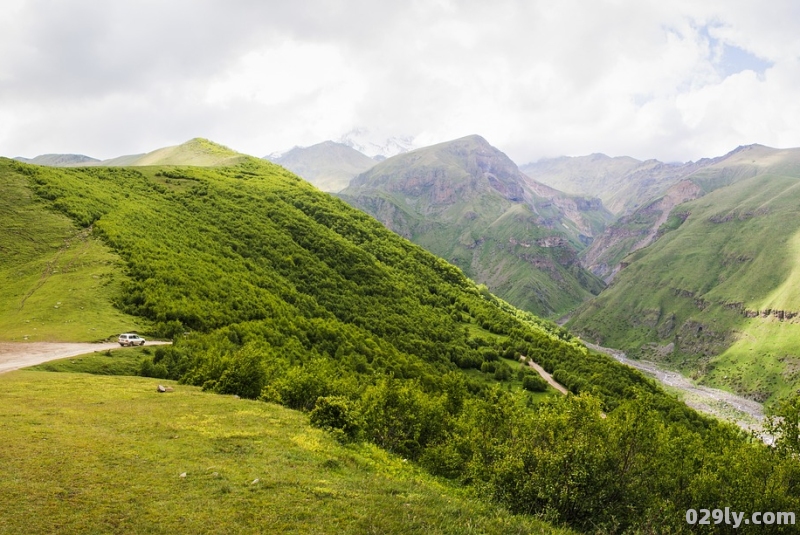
(746, 413)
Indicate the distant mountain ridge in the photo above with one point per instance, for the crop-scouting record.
(328, 165)
(59, 160)
(468, 202)
(622, 183)
(368, 143)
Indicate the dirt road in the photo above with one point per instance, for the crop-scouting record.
(547, 377)
(20, 355)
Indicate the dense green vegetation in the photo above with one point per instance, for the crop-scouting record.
(275, 291)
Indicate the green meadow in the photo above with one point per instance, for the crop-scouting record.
(99, 454)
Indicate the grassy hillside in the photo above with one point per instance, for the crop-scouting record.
(647, 223)
(468, 203)
(89, 454)
(197, 152)
(57, 281)
(721, 286)
(328, 165)
(277, 292)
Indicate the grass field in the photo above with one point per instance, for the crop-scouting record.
(122, 361)
(93, 454)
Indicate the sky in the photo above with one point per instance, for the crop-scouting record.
(676, 81)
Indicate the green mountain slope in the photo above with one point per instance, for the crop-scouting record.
(643, 226)
(467, 202)
(276, 291)
(57, 281)
(328, 165)
(716, 293)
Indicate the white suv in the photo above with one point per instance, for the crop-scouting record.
(130, 340)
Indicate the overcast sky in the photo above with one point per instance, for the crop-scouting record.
(676, 80)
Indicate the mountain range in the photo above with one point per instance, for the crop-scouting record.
(328, 165)
(700, 257)
(197, 151)
(511, 229)
(711, 282)
(467, 202)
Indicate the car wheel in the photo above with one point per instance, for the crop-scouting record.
(142, 343)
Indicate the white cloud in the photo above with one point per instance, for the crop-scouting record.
(536, 78)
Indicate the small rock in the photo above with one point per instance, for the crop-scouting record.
(256, 480)
(162, 388)
(183, 475)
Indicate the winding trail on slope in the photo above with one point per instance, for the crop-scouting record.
(23, 354)
(746, 413)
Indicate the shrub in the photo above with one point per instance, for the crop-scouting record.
(337, 415)
(148, 369)
(534, 383)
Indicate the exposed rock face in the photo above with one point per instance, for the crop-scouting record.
(780, 315)
(696, 338)
(628, 235)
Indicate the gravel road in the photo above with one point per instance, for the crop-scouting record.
(23, 354)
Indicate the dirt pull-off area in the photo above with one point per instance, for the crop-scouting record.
(21, 355)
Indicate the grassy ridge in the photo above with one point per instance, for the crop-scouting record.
(90, 454)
